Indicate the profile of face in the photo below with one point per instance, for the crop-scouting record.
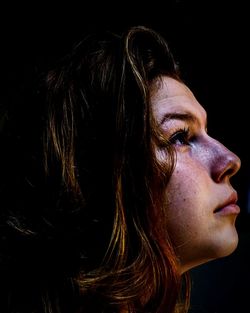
(201, 203)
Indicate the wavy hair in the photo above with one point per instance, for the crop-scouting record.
(101, 226)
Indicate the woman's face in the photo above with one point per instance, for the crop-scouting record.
(202, 206)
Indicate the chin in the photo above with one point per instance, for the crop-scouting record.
(229, 246)
(209, 251)
(226, 244)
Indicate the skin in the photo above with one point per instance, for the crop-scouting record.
(201, 201)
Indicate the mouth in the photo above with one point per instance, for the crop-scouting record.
(229, 206)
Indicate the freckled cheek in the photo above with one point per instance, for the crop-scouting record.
(188, 209)
(184, 197)
(184, 216)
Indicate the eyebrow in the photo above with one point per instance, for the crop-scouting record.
(187, 116)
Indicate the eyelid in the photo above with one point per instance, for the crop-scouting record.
(182, 135)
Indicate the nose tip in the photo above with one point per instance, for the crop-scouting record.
(230, 165)
(234, 166)
(238, 163)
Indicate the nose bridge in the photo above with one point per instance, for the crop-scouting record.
(225, 163)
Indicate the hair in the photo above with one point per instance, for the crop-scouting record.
(89, 232)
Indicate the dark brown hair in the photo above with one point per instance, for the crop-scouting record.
(102, 206)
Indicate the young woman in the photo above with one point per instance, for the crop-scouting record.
(131, 192)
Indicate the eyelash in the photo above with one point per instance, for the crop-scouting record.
(181, 137)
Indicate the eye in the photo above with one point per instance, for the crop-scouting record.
(180, 137)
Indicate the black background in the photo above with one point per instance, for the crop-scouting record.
(209, 40)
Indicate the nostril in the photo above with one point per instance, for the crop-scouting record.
(228, 167)
(230, 172)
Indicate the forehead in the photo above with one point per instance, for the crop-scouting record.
(171, 96)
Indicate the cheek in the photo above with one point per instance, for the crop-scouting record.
(185, 198)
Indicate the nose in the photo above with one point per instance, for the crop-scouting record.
(226, 163)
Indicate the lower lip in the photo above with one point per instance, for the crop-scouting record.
(229, 209)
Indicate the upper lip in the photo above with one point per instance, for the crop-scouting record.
(232, 199)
